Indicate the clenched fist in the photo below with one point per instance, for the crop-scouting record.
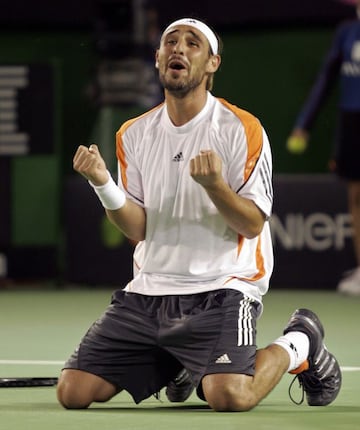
(89, 163)
(206, 168)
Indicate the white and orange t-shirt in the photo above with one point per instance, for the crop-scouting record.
(189, 248)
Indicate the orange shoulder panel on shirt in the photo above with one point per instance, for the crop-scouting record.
(120, 154)
(254, 136)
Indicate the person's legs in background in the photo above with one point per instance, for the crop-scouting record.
(350, 284)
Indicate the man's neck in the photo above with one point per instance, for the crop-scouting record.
(183, 109)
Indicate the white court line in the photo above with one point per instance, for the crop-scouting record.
(350, 368)
(34, 362)
(60, 363)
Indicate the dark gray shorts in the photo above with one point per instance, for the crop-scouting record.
(141, 342)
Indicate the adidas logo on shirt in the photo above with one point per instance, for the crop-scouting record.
(178, 157)
(223, 359)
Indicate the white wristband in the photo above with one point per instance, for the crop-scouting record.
(110, 195)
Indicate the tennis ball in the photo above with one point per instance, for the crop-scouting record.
(296, 144)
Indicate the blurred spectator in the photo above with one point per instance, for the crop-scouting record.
(342, 61)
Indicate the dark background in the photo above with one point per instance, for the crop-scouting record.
(61, 14)
(49, 229)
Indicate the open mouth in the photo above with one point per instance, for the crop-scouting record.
(176, 65)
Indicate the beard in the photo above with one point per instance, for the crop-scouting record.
(180, 87)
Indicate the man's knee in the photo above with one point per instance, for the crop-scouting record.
(229, 396)
(70, 392)
(70, 399)
(77, 389)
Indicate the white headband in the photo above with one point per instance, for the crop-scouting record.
(203, 28)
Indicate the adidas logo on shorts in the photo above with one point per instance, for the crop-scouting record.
(223, 359)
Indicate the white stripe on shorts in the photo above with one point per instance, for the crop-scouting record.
(245, 330)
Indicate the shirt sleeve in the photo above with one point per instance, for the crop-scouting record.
(129, 177)
(258, 186)
(249, 169)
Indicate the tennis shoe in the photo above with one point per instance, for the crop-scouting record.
(180, 388)
(320, 375)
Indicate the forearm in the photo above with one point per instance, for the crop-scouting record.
(130, 219)
(126, 215)
(241, 214)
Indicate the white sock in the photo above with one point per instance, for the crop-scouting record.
(297, 345)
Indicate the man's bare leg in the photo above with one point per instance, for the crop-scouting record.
(77, 389)
(233, 392)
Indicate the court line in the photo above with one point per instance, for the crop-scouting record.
(34, 362)
(350, 368)
(60, 363)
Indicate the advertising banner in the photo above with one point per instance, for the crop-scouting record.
(311, 230)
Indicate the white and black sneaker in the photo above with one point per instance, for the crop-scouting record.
(320, 374)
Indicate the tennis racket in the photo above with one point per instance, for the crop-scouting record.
(28, 382)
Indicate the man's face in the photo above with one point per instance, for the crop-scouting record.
(183, 60)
